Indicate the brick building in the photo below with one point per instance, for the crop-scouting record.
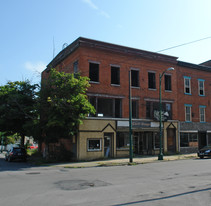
(108, 66)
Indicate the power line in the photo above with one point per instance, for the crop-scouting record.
(185, 44)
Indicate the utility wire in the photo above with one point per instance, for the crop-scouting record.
(185, 44)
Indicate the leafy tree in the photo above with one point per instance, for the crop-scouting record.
(18, 108)
(64, 104)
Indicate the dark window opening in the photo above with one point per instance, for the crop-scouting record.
(94, 72)
(134, 109)
(118, 108)
(167, 82)
(153, 110)
(75, 67)
(134, 78)
(115, 77)
(151, 80)
(122, 140)
(106, 107)
(188, 139)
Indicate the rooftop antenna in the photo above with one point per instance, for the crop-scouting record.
(64, 45)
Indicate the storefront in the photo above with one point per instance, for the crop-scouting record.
(194, 136)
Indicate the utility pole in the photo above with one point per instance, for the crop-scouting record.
(130, 120)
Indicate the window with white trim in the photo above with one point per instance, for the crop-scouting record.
(202, 113)
(187, 85)
(188, 117)
(201, 87)
(94, 145)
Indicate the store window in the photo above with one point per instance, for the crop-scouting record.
(156, 140)
(188, 139)
(209, 138)
(122, 140)
(94, 144)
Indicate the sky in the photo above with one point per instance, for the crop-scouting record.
(32, 32)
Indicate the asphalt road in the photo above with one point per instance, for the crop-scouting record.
(173, 183)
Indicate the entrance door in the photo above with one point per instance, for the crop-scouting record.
(108, 145)
(171, 140)
(202, 139)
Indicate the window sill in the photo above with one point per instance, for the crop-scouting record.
(94, 150)
(168, 91)
(188, 94)
(122, 149)
(92, 82)
(115, 85)
(133, 87)
(151, 89)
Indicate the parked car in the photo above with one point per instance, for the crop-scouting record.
(32, 146)
(16, 153)
(205, 152)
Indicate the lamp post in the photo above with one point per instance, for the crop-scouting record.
(130, 120)
(160, 156)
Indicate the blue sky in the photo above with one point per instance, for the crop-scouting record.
(29, 28)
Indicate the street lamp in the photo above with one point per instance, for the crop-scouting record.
(160, 156)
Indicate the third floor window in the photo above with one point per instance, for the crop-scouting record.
(94, 72)
(168, 82)
(187, 85)
(115, 75)
(201, 87)
(151, 80)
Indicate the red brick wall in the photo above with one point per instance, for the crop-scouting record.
(105, 58)
(194, 99)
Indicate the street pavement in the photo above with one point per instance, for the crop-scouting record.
(177, 180)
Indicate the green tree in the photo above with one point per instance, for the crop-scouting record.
(18, 108)
(64, 104)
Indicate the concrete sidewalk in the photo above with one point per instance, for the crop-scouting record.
(125, 161)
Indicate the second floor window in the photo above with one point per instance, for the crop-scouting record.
(134, 78)
(94, 72)
(201, 87)
(151, 80)
(187, 85)
(107, 107)
(168, 82)
(134, 109)
(202, 113)
(188, 113)
(115, 75)
(153, 110)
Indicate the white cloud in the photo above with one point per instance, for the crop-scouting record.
(35, 67)
(94, 6)
(91, 4)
